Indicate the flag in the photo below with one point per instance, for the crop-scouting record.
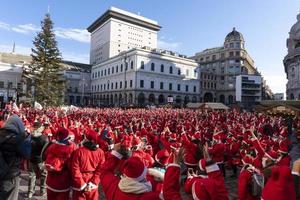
(38, 106)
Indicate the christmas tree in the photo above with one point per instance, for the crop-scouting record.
(45, 69)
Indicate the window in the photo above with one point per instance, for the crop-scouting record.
(207, 58)
(152, 84)
(100, 87)
(195, 73)
(104, 87)
(214, 57)
(108, 71)
(121, 85)
(126, 66)
(179, 72)
(194, 88)
(131, 64)
(237, 53)
(230, 54)
(101, 73)
(125, 84)
(108, 86)
(93, 75)
(141, 83)
(112, 70)
(116, 85)
(222, 78)
(117, 68)
(130, 83)
(237, 45)
(152, 67)
(171, 70)
(142, 65)
(112, 86)
(170, 86)
(162, 68)
(105, 72)
(187, 72)
(98, 73)
(161, 85)
(231, 45)
(1, 84)
(178, 87)
(121, 68)
(187, 88)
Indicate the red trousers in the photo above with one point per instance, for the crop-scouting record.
(81, 195)
(58, 195)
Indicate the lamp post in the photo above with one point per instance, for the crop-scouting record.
(82, 90)
(125, 85)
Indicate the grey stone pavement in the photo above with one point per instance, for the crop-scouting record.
(231, 183)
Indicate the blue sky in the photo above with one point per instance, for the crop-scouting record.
(188, 26)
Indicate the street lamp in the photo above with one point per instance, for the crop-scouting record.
(82, 90)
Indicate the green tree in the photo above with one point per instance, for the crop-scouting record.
(45, 69)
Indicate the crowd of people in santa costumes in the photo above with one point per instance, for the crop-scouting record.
(153, 153)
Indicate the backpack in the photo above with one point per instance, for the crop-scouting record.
(23, 147)
(257, 184)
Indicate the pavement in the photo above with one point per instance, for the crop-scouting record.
(231, 183)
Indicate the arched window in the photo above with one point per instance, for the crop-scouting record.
(171, 70)
(142, 65)
(131, 64)
(152, 67)
(162, 68)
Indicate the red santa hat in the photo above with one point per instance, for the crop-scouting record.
(283, 147)
(92, 136)
(136, 141)
(134, 168)
(247, 160)
(62, 133)
(208, 167)
(273, 155)
(173, 136)
(162, 157)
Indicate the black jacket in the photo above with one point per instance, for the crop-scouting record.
(37, 145)
(10, 160)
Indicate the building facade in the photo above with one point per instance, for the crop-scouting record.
(292, 62)
(13, 86)
(145, 77)
(248, 90)
(220, 66)
(118, 30)
(77, 77)
(279, 96)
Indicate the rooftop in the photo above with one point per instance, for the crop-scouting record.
(123, 15)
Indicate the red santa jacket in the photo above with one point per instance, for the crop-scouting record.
(85, 167)
(57, 157)
(280, 185)
(110, 182)
(244, 182)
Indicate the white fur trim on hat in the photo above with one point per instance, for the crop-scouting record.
(141, 177)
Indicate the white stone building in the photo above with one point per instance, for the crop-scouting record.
(129, 69)
(145, 77)
(118, 30)
(292, 62)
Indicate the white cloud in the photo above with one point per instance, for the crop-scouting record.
(79, 35)
(71, 56)
(75, 57)
(18, 49)
(4, 26)
(161, 43)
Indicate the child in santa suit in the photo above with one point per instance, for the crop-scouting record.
(57, 157)
(85, 168)
(245, 178)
